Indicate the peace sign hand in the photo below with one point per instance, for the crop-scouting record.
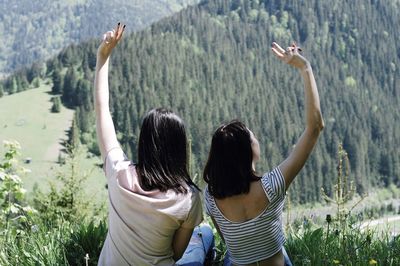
(110, 40)
(291, 56)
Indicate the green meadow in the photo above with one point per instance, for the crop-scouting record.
(26, 118)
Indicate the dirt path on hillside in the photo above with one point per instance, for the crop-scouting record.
(319, 214)
(383, 221)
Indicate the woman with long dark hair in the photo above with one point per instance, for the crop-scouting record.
(154, 205)
(246, 208)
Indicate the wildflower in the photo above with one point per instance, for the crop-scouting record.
(34, 228)
(336, 261)
(373, 262)
(328, 218)
(29, 210)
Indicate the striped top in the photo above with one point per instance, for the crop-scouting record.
(261, 237)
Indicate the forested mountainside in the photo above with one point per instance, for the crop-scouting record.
(212, 63)
(34, 30)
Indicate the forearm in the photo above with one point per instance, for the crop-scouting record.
(104, 125)
(314, 120)
(101, 98)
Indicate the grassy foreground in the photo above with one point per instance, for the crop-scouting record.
(62, 227)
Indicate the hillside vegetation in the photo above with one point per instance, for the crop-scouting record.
(65, 227)
(27, 117)
(212, 63)
(32, 31)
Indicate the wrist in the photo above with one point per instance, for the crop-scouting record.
(101, 62)
(306, 68)
(102, 55)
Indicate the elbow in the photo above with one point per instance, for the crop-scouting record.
(317, 126)
(320, 124)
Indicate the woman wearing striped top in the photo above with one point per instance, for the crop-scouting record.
(245, 208)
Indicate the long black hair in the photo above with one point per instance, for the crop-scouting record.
(229, 169)
(162, 156)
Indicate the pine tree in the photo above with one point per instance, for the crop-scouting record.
(56, 107)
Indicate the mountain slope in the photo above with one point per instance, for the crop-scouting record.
(212, 63)
(34, 30)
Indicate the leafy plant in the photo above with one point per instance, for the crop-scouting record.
(86, 241)
(15, 213)
(65, 200)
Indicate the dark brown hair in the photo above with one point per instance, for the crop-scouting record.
(229, 171)
(162, 156)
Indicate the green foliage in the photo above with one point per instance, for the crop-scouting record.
(34, 31)
(41, 246)
(47, 243)
(58, 82)
(325, 247)
(64, 229)
(15, 214)
(342, 241)
(65, 199)
(212, 63)
(56, 107)
(86, 238)
(344, 189)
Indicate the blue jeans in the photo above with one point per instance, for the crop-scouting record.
(227, 261)
(201, 243)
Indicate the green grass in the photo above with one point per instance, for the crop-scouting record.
(26, 118)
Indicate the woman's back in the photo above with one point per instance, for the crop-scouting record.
(244, 207)
(142, 223)
(251, 223)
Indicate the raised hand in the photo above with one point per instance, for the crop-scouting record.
(110, 40)
(290, 56)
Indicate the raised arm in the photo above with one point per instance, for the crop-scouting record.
(106, 136)
(314, 122)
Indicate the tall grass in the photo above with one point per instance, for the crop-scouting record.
(343, 246)
(63, 232)
(340, 241)
(60, 229)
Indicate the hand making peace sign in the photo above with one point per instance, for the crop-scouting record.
(110, 40)
(290, 56)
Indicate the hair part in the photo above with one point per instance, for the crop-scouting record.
(162, 152)
(229, 169)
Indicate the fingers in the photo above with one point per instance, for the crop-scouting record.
(119, 31)
(277, 53)
(293, 47)
(278, 48)
(115, 35)
(284, 54)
